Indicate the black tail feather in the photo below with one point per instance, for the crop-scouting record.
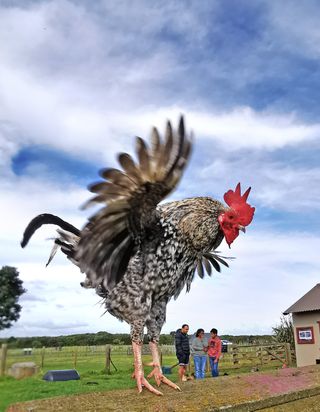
(45, 219)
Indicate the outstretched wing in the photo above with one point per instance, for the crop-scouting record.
(131, 195)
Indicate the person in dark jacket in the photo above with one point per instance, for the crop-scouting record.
(182, 350)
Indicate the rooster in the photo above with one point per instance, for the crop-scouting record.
(137, 253)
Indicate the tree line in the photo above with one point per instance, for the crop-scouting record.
(85, 339)
(104, 338)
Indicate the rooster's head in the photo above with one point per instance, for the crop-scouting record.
(238, 216)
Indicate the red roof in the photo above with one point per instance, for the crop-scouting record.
(309, 302)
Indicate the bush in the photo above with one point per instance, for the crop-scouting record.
(284, 332)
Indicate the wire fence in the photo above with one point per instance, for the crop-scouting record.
(99, 357)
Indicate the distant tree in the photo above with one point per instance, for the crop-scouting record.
(10, 291)
(36, 343)
(166, 339)
(284, 331)
(12, 340)
(117, 342)
(54, 342)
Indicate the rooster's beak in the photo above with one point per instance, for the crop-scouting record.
(242, 228)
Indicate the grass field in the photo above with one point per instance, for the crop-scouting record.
(91, 367)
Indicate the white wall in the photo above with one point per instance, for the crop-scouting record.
(307, 353)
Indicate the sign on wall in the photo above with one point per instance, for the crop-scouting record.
(305, 335)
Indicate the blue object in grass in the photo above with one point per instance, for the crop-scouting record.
(166, 370)
(61, 375)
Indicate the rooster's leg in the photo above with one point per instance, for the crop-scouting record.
(157, 371)
(138, 370)
(154, 325)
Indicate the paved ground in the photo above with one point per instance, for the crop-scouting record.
(255, 389)
(304, 405)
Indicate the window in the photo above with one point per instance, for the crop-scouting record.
(305, 335)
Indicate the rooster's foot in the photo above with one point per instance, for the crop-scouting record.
(159, 377)
(142, 382)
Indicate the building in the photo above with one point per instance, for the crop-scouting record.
(306, 323)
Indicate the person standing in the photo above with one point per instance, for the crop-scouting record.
(199, 349)
(214, 352)
(182, 350)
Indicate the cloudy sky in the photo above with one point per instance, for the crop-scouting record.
(79, 79)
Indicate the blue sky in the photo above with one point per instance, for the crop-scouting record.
(78, 80)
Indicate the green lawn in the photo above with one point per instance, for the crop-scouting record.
(91, 369)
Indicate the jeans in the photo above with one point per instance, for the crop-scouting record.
(199, 366)
(214, 367)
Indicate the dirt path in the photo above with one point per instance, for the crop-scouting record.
(196, 396)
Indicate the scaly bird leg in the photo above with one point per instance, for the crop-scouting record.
(138, 370)
(157, 371)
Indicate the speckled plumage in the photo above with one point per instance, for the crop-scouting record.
(165, 264)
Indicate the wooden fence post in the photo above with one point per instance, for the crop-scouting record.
(4, 348)
(287, 349)
(108, 359)
(43, 351)
(235, 357)
(260, 355)
(75, 357)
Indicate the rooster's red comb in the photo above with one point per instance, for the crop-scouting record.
(238, 202)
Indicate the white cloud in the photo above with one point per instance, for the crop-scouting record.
(23, 198)
(60, 305)
(65, 83)
(278, 183)
(54, 119)
(289, 188)
(243, 127)
(240, 128)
